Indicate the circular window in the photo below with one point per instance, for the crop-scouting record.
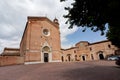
(46, 32)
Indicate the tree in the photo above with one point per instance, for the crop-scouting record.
(114, 35)
(95, 14)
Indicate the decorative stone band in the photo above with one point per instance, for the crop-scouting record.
(56, 61)
(37, 62)
(33, 51)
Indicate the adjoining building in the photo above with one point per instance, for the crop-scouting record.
(84, 51)
(11, 56)
(41, 43)
(11, 52)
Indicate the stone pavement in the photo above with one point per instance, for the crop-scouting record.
(89, 70)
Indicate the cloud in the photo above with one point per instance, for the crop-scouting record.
(13, 43)
(65, 32)
(13, 17)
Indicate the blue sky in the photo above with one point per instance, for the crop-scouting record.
(88, 35)
(13, 17)
(85, 36)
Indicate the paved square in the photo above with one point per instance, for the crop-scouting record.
(89, 70)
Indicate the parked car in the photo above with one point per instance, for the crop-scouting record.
(118, 61)
(113, 58)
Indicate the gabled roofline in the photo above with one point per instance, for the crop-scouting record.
(34, 18)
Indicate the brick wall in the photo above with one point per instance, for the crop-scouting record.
(11, 60)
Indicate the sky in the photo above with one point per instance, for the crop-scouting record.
(13, 18)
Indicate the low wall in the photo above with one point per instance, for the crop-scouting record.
(11, 60)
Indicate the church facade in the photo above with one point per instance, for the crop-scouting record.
(40, 43)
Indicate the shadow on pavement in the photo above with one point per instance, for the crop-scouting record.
(93, 73)
(117, 67)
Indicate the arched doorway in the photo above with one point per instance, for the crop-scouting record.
(83, 58)
(46, 57)
(100, 55)
(46, 52)
(69, 57)
(62, 58)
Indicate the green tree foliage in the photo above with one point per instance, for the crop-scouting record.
(114, 35)
(95, 14)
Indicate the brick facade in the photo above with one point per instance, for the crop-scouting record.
(41, 40)
(84, 51)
